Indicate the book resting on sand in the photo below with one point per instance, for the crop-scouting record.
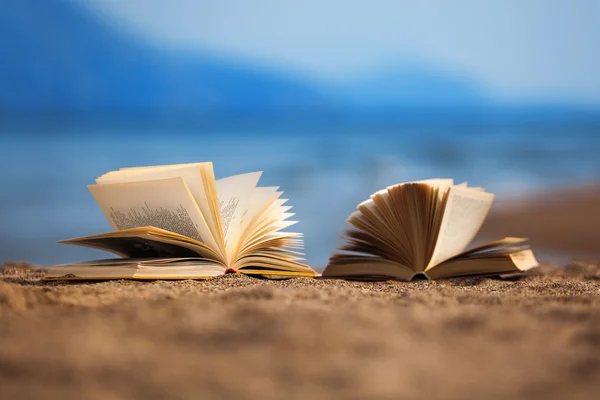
(178, 222)
(420, 230)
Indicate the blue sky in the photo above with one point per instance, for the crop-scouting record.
(520, 50)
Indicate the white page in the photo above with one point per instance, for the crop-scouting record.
(128, 171)
(256, 201)
(464, 214)
(282, 223)
(276, 209)
(273, 215)
(234, 193)
(256, 208)
(165, 203)
(190, 173)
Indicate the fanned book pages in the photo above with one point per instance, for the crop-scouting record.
(178, 222)
(420, 230)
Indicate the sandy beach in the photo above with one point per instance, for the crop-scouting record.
(236, 336)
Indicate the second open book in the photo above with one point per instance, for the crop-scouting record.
(420, 229)
(177, 221)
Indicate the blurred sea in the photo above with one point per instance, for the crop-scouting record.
(325, 174)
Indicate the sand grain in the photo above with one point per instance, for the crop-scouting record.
(237, 336)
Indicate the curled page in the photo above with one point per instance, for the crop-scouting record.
(191, 174)
(258, 198)
(233, 193)
(463, 216)
(164, 203)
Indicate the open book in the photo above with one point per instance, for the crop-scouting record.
(178, 222)
(420, 229)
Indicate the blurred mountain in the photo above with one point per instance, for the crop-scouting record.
(57, 56)
(61, 62)
(412, 86)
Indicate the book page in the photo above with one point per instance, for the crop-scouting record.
(255, 202)
(164, 203)
(163, 166)
(443, 184)
(234, 193)
(485, 264)
(463, 216)
(147, 240)
(504, 245)
(271, 220)
(257, 208)
(190, 173)
(439, 182)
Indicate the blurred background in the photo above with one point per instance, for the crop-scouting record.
(332, 99)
